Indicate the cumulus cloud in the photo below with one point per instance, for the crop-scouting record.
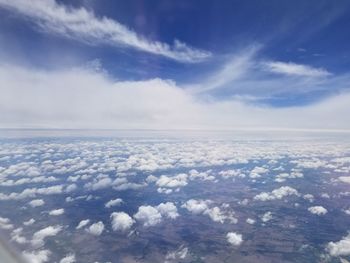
(215, 213)
(317, 210)
(276, 194)
(172, 181)
(39, 236)
(344, 179)
(5, 223)
(83, 223)
(29, 222)
(39, 256)
(70, 258)
(250, 221)
(121, 221)
(83, 25)
(113, 202)
(168, 209)
(177, 255)
(234, 238)
(148, 215)
(36, 202)
(340, 248)
(56, 212)
(96, 229)
(266, 217)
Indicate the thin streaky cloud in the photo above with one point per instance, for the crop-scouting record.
(83, 25)
(293, 69)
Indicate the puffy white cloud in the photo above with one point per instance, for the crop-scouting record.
(98, 184)
(250, 221)
(177, 255)
(16, 236)
(148, 215)
(39, 256)
(317, 210)
(36, 202)
(39, 236)
(234, 238)
(344, 179)
(196, 206)
(215, 213)
(121, 221)
(96, 229)
(309, 197)
(70, 258)
(5, 223)
(70, 188)
(29, 222)
(32, 192)
(257, 172)
(283, 176)
(266, 217)
(340, 248)
(168, 209)
(276, 194)
(173, 181)
(56, 212)
(83, 223)
(113, 202)
(83, 25)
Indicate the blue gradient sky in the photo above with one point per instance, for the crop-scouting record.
(274, 54)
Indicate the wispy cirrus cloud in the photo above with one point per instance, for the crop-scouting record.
(83, 25)
(293, 69)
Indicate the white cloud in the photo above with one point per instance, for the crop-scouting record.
(113, 202)
(289, 68)
(83, 25)
(250, 221)
(215, 213)
(266, 217)
(172, 181)
(276, 194)
(148, 215)
(340, 248)
(196, 206)
(83, 223)
(317, 210)
(70, 258)
(257, 172)
(39, 256)
(99, 184)
(150, 104)
(168, 209)
(121, 221)
(344, 179)
(36, 202)
(234, 238)
(39, 236)
(96, 229)
(29, 222)
(177, 255)
(56, 212)
(5, 223)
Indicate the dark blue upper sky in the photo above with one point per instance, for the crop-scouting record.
(314, 34)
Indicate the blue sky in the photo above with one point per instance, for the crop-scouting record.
(227, 58)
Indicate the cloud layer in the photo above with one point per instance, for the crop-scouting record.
(81, 98)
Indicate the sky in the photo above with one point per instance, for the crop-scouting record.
(175, 64)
